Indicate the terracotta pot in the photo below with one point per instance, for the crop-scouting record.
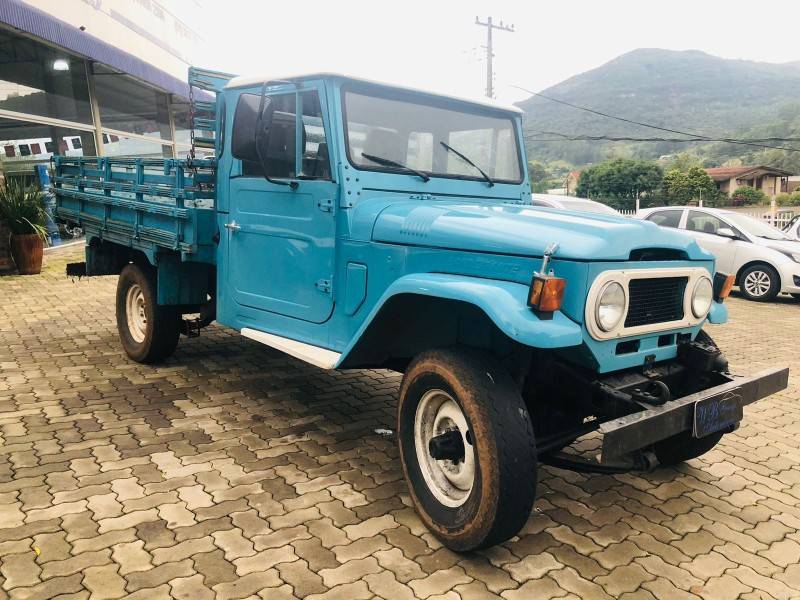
(27, 252)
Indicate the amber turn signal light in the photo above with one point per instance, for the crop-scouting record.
(546, 293)
(722, 286)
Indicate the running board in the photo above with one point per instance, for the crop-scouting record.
(319, 357)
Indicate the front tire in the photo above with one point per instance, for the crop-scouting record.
(760, 283)
(682, 447)
(148, 331)
(484, 492)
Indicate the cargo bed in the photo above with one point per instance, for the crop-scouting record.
(148, 204)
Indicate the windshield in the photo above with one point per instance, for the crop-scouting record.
(430, 138)
(756, 227)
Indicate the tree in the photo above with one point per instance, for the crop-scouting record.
(684, 161)
(620, 180)
(539, 176)
(681, 188)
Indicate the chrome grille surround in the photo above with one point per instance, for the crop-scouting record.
(689, 275)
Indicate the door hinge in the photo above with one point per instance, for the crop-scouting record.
(325, 205)
(324, 285)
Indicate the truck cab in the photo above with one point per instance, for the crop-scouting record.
(353, 224)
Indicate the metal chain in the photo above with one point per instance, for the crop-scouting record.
(190, 163)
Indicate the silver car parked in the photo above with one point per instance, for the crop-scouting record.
(764, 259)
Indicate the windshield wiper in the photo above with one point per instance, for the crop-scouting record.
(387, 162)
(468, 161)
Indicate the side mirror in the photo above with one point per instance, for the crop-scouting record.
(727, 232)
(250, 127)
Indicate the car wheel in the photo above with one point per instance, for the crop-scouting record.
(759, 282)
(148, 331)
(467, 448)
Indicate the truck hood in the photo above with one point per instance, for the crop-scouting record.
(523, 230)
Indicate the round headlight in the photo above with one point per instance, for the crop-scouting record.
(610, 306)
(702, 296)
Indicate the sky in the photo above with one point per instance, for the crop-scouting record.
(435, 44)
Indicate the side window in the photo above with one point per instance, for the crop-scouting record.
(279, 153)
(666, 218)
(316, 162)
(703, 222)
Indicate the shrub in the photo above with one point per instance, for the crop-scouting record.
(22, 208)
(783, 200)
(745, 196)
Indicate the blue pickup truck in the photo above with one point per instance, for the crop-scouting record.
(353, 224)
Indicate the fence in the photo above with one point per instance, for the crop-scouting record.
(779, 220)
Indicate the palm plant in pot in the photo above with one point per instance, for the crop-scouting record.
(22, 207)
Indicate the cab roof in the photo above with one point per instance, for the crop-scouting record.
(251, 81)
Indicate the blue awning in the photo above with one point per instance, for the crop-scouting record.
(38, 23)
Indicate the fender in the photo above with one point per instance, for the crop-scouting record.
(504, 302)
(718, 313)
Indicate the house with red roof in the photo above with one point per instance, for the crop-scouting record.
(571, 182)
(769, 180)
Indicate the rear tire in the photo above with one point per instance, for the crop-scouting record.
(148, 331)
(484, 496)
(760, 283)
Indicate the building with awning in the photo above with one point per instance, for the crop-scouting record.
(95, 77)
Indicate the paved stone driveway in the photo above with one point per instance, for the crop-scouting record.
(233, 471)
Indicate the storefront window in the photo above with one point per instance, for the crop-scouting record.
(128, 105)
(26, 144)
(180, 116)
(39, 80)
(124, 146)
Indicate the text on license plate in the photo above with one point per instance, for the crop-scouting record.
(717, 412)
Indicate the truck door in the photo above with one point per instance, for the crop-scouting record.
(281, 238)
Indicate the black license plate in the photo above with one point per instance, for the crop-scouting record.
(717, 412)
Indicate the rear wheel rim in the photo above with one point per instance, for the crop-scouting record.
(136, 313)
(757, 283)
(449, 481)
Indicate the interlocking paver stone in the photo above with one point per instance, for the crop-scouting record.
(233, 471)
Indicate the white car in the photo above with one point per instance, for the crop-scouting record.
(572, 203)
(764, 259)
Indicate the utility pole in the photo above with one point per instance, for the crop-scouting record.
(489, 53)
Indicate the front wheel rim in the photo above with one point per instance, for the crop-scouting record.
(136, 313)
(757, 283)
(449, 481)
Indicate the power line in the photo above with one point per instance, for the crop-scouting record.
(641, 124)
(489, 51)
(608, 138)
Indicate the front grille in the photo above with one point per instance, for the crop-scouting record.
(657, 300)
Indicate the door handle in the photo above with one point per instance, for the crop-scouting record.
(233, 226)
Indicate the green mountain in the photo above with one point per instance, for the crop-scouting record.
(689, 91)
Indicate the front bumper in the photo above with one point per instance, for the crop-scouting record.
(625, 435)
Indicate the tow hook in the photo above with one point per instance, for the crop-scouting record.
(447, 446)
(655, 393)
